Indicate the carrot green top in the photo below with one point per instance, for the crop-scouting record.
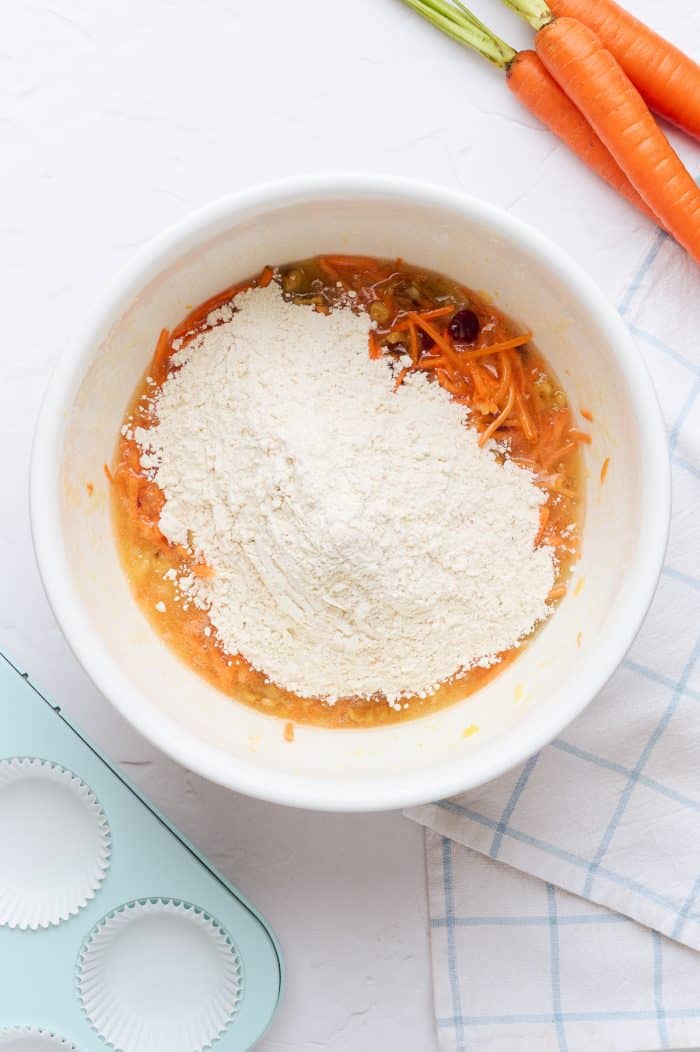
(535, 12)
(458, 21)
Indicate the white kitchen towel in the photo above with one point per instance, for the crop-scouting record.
(522, 966)
(609, 812)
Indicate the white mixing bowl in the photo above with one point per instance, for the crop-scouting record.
(522, 708)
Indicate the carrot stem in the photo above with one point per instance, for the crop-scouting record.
(460, 24)
(535, 12)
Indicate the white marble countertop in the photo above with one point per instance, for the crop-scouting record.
(115, 120)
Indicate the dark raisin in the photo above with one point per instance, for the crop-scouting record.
(426, 341)
(464, 326)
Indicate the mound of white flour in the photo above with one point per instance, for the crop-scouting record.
(361, 541)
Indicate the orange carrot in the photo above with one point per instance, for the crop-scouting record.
(668, 80)
(586, 414)
(535, 88)
(604, 470)
(598, 85)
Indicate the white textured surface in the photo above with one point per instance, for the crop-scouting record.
(116, 119)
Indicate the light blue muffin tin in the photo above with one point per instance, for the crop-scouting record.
(114, 931)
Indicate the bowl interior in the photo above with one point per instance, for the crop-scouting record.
(415, 761)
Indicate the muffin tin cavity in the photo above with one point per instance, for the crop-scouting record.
(30, 1039)
(159, 976)
(55, 843)
(134, 966)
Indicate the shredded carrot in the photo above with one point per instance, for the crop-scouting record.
(328, 269)
(526, 422)
(500, 419)
(442, 341)
(544, 519)
(558, 455)
(201, 313)
(162, 351)
(413, 346)
(202, 570)
(580, 436)
(361, 262)
(494, 348)
(432, 363)
(90, 488)
(437, 312)
(427, 315)
(402, 375)
(604, 470)
(558, 592)
(480, 384)
(108, 473)
(586, 414)
(450, 385)
(375, 348)
(506, 376)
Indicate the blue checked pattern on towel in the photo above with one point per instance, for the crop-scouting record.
(600, 951)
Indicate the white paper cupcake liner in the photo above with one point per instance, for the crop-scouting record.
(32, 1039)
(159, 975)
(55, 843)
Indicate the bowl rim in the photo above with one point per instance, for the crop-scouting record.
(343, 794)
